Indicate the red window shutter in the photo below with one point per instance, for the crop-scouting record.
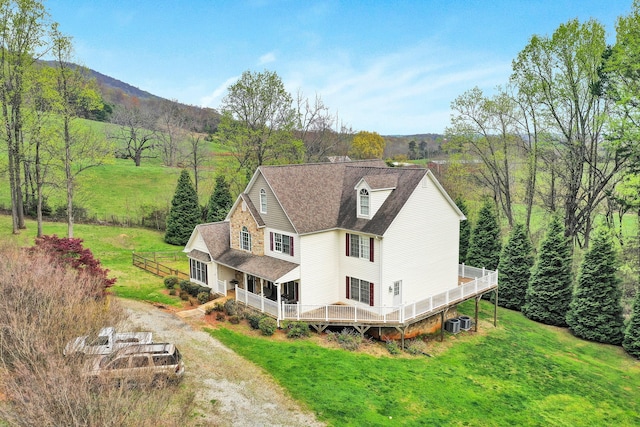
(371, 294)
(347, 244)
(371, 249)
(291, 245)
(348, 287)
(271, 240)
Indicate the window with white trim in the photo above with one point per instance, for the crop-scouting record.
(282, 243)
(263, 201)
(359, 246)
(198, 271)
(245, 239)
(363, 203)
(360, 290)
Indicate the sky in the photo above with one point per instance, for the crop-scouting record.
(392, 67)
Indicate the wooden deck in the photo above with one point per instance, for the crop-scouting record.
(342, 314)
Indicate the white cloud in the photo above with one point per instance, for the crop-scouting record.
(409, 91)
(213, 100)
(267, 58)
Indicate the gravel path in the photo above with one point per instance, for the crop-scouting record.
(230, 391)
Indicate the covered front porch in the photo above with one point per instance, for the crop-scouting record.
(473, 282)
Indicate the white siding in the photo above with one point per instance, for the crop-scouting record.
(421, 246)
(198, 243)
(377, 198)
(360, 268)
(296, 245)
(319, 275)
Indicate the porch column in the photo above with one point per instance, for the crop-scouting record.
(279, 299)
(261, 296)
(246, 288)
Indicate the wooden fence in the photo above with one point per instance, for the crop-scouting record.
(149, 261)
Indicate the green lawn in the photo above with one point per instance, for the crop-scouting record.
(521, 373)
(113, 246)
(123, 191)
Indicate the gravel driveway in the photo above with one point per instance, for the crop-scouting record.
(230, 391)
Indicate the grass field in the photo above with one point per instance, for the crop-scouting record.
(519, 374)
(113, 246)
(122, 190)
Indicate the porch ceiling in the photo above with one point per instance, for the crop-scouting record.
(266, 267)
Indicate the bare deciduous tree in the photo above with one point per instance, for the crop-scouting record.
(171, 130)
(136, 136)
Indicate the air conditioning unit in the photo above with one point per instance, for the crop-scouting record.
(465, 323)
(452, 326)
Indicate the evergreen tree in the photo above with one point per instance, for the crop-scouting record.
(631, 342)
(185, 212)
(220, 202)
(514, 269)
(550, 287)
(465, 231)
(484, 245)
(595, 312)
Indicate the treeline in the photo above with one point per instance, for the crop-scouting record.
(543, 286)
(562, 133)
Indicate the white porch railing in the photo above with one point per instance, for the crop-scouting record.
(220, 287)
(483, 280)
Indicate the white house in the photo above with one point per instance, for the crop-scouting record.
(339, 243)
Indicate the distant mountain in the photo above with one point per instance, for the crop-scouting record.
(116, 93)
(109, 83)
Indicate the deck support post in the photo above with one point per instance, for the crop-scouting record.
(475, 327)
(319, 327)
(441, 326)
(495, 309)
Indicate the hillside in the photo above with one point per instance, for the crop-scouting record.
(116, 93)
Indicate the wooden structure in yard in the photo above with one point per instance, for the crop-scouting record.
(148, 261)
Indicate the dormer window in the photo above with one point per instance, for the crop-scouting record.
(263, 201)
(245, 239)
(363, 202)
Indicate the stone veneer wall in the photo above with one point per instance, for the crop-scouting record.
(242, 218)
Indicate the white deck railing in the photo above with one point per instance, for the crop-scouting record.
(483, 280)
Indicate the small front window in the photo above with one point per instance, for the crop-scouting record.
(364, 202)
(263, 201)
(245, 239)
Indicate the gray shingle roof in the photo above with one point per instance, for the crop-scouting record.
(378, 182)
(252, 209)
(321, 196)
(216, 237)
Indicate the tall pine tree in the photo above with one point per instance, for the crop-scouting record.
(514, 269)
(550, 287)
(484, 245)
(220, 202)
(465, 231)
(631, 342)
(595, 312)
(185, 212)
